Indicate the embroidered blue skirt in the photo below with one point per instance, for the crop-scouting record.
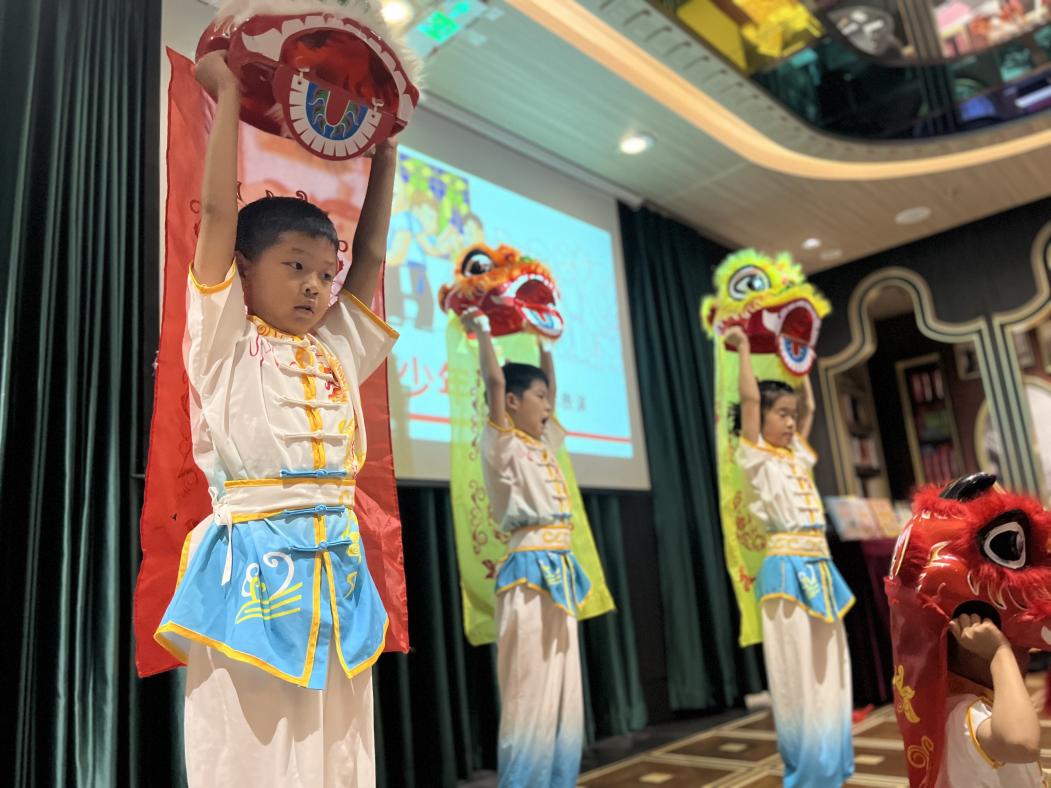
(276, 592)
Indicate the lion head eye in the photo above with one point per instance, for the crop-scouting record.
(476, 264)
(747, 281)
(1004, 540)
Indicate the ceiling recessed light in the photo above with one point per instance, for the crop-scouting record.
(811, 243)
(634, 144)
(919, 213)
(830, 255)
(397, 12)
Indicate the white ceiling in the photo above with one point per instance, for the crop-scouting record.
(513, 73)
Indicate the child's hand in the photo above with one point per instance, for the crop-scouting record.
(214, 75)
(474, 320)
(978, 635)
(467, 319)
(735, 338)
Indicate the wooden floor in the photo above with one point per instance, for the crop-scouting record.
(744, 753)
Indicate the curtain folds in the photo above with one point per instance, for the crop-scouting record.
(668, 268)
(78, 231)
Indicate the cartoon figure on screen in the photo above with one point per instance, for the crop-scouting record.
(424, 239)
(473, 232)
(970, 594)
(276, 613)
(801, 594)
(528, 564)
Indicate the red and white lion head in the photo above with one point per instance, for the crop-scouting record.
(330, 75)
(971, 545)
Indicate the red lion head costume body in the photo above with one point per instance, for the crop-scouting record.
(972, 544)
(330, 75)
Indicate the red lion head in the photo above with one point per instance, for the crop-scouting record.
(327, 76)
(971, 544)
(516, 293)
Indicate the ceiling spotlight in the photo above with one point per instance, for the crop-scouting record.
(397, 12)
(811, 243)
(919, 213)
(635, 144)
(831, 255)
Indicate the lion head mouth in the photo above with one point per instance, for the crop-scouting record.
(790, 330)
(326, 79)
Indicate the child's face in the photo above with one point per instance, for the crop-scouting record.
(290, 284)
(531, 411)
(779, 421)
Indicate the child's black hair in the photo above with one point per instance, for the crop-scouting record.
(519, 377)
(770, 391)
(261, 223)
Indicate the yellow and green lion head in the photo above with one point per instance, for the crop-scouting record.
(772, 301)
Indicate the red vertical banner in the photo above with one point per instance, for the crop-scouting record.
(176, 496)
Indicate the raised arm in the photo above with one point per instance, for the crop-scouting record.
(370, 237)
(492, 373)
(1012, 734)
(747, 385)
(547, 366)
(806, 409)
(218, 233)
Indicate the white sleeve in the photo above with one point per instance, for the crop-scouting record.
(356, 334)
(965, 757)
(497, 446)
(215, 320)
(752, 458)
(755, 461)
(803, 452)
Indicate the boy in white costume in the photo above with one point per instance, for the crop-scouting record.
(275, 613)
(540, 585)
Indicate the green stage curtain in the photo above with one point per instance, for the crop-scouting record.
(78, 254)
(613, 689)
(668, 269)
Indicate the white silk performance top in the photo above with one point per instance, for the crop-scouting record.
(263, 401)
(784, 496)
(522, 477)
(966, 762)
(278, 572)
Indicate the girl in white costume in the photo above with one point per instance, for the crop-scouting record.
(802, 595)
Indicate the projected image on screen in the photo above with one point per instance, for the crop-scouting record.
(440, 210)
